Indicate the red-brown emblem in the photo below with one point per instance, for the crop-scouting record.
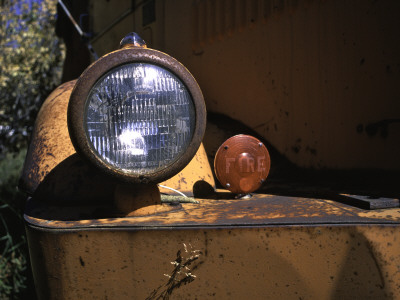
(242, 164)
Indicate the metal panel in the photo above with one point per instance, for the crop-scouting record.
(263, 247)
(260, 210)
(277, 262)
(317, 79)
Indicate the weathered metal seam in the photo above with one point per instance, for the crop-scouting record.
(35, 224)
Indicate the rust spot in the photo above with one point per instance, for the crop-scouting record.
(313, 151)
(296, 149)
(50, 139)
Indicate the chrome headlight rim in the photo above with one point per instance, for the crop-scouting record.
(85, 83)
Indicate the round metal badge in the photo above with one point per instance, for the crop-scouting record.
(242, 164)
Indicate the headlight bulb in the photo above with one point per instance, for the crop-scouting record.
(137, 114)
(139, 118)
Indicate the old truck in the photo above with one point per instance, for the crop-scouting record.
(290, 193)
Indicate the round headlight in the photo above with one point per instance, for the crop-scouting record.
(138, 114)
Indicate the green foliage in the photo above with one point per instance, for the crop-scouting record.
(13, 248)
(12, 264)
(10, 171)
(31, 64)
(30, 68)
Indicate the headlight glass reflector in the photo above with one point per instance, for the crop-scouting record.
(139, 118)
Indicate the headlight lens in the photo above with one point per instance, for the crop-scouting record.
(137, 114)
(139, 117)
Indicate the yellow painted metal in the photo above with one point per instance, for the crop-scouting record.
(51, 147)
(50, 142)
(302, 75)
(198, 169)
(317, 79)
(263, 248)
(242, 263)
(259, 209)
(111, 26)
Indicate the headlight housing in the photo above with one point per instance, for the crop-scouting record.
(138, 114)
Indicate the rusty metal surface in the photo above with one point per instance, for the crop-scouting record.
(140, 200)
(52, 170)
(368, 202)
(77, 106)
(281, 262)
(242, 164)
(55, 173)
(264, 247)
(198, 171)
(75, 181)
(50, 143)
(260, 210)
